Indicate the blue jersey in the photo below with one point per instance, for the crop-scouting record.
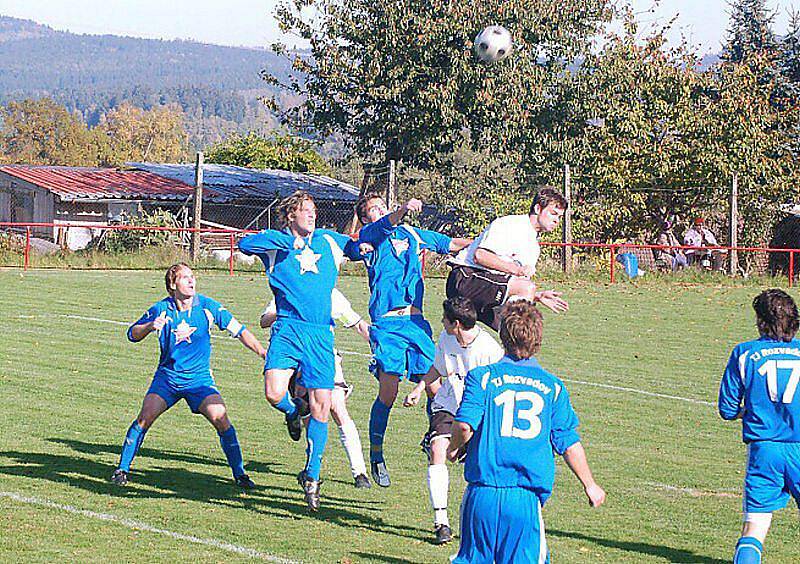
(761, 380)
(394, 265)
(301, 280)
(185, 340)
(520, 414)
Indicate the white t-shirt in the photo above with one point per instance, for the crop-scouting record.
(453, 362)
(511, 237)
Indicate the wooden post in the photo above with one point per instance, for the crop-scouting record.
(566, 255)
(391, 185)
(27, 253)
(733, 226)
(198, 205)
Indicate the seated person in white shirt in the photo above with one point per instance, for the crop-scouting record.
(698, 235)
(499, 264)
(341, 312)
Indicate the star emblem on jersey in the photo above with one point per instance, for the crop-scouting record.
(308, 260)
(183, 332)
(400, 246)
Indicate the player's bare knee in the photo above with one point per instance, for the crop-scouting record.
(756, 525)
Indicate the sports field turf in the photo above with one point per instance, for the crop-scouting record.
(642, 365)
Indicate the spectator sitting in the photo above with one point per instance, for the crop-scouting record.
(673, 259)
(701, 236)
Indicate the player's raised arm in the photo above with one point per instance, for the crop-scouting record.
(575, 457)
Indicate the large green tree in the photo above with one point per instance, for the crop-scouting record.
(398, 78)
(281, 152)
(750, 30)
(134, 134)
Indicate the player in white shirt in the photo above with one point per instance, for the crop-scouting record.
(462, 346)
(342, 313)
(498, 265)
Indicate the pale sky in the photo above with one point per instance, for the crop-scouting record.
(250, 22)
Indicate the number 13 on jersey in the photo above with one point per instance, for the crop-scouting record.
(525, 406)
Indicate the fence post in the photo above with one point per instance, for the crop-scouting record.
(566, 255)
(733, 226)
(230, 259)
(613, 253)
(198, 205)
(791, 268)
(27, 253)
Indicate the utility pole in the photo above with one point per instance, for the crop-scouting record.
(198, 205)
(566, 238)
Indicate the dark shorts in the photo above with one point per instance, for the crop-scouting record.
(441, 425)
(485, 289)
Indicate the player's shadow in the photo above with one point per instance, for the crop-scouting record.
(169, 483)
(372, 557)
(668, 553)
(146, 452)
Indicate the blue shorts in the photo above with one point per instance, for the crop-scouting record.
(773, 474)
(501, 525)
(193, 395)
(402, 346)
(305, 346)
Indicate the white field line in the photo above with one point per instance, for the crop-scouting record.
(355, 353)
(138, 525)
(694, 492)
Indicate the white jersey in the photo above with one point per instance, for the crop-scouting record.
(511, 237)
(342, 312)
(453, 361)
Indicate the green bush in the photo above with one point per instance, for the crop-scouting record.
(126, 240)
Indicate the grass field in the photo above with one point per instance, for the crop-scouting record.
(642, 364)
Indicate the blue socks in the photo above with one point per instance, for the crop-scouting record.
(133, 440)
(317, 437)
(230, 446)
(748, 551)
(287, 406)
(378, 420)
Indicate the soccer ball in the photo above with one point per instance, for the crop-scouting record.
(493, 44)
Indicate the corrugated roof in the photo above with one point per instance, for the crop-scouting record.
(73, 183)
(234, 182)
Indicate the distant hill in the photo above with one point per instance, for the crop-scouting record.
(218, 87)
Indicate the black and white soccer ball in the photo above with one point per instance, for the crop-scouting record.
(493, 44)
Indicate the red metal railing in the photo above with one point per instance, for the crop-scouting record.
(613, 248)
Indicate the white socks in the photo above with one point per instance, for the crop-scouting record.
(439, 485)
(348, 434)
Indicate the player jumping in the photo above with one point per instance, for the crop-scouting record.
(342, 312)
(400, 336)
(183, 324)
(497, 267)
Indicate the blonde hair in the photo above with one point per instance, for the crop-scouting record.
(521, 328)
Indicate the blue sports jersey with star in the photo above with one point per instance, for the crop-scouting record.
(761, 381)
(301, 279)
(520, 414)
(185, 340)
(394, 266)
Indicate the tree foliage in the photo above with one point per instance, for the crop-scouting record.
(281, 152)
(399, 78)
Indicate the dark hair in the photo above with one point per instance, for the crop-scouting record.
(172, 275)
(361, 204)
(776, 315)
(291, 204)
(462, 310)
(547, 196)
(521, 327)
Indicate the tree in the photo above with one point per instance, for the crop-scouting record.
(135, 134)
(750, 30)
(41, 132)
(281, 152)
(397, 78)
